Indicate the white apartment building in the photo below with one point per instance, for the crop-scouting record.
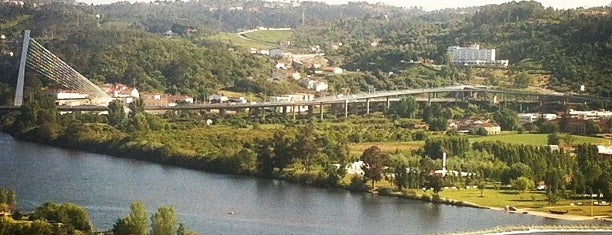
(532, 117)
(473, 55)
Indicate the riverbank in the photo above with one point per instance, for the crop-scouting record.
(141, 152)
(454, 202)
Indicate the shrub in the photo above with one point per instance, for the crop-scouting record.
(358, 184)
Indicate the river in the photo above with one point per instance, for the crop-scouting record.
(106, 186)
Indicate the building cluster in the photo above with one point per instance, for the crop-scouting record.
(474, 56)
(118, 91)
(473, 126)
(13, 2)
(576, 122)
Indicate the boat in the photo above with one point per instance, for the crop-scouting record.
(558, 212)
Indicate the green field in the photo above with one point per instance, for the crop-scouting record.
(262, 39)
(358, 148)
(233, 39)
(533, 200)
(536, 139)
(271, 36)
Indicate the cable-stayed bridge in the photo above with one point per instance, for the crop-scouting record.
(42, 61)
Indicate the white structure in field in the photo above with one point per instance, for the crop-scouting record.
(295, 98)
(532, 117)
(473, 55)
(591, 115)
(70, 98)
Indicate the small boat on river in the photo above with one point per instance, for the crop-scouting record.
(558, 212)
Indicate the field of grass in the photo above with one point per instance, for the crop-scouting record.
(358, 148)
(262, 39)
(535, 139)
(233, 39)
(531, 200)
(271, 36)
(525, 200)
(495, 198)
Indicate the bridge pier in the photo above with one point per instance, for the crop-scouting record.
(388, 106)
(263, 111)
(293, 111)
(310, 110)
(346, 108)
(368, 106)
(321, 110)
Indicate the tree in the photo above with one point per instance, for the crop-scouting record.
(373, 162)
(182, 230)
(548, 127)
(438, 124)
(435, 182)
(523, 183)
(591, 128)
(8, 197)
(307, 147)
(138, 123)
(506, 118)
(401, 176)
(134, 223)
(553, 139)
(568, 138)
(405, 108)
(522, 80)
(67, 213)
(116, 114)
(515, 171)
(164, 221)
(481, 187)
(136, 106)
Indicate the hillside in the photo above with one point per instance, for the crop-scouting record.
(193, 47)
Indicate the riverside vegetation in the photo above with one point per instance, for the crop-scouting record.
(312, 152)
(61, 219)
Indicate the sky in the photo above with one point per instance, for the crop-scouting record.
(434, 4)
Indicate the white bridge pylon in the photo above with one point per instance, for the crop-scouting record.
(48, 65)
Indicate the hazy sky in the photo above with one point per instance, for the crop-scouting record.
(436, 4)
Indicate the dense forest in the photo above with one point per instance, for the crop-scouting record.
(124, 42)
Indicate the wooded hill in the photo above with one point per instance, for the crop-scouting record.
(127, 44)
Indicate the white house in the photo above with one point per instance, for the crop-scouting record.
(317, 85)
(218, 99)
(296, 76)
(355, 168)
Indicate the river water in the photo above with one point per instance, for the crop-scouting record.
(106, 186)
